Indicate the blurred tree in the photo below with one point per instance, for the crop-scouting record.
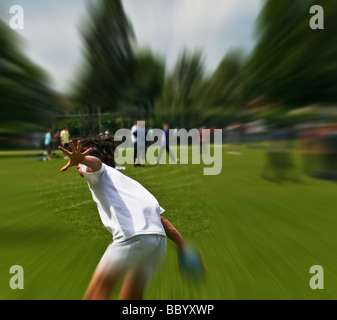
(224, 87)
(109, 58)
(145, 85)
(292, 63)
(27, 103)
(179, 103)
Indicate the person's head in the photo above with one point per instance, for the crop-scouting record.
(66, 127)
(103, 147)
(165, 126)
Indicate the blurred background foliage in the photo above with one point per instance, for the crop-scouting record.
(108, 56)
(291, 67)
(27, 102)
(293, 64)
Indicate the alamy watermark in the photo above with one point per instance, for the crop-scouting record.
(194, 147)
(17, 280)
(16, 22)
(317, 20)
(317, 280)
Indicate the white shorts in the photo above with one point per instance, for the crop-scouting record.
(141, 253)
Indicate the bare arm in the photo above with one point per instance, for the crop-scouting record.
(92, 162)
(172, 233)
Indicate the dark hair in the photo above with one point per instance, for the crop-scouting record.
(103, 147)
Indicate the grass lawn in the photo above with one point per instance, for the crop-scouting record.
(259, 238)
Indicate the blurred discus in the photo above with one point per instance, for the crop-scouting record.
(191, 264)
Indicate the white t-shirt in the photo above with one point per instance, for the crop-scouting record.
(126, 208)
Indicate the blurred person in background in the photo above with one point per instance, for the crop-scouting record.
(165, 144)
(65, 136)
(318, 151)
(107, 133)
(149, 137)
(329, 152)
(48, 143)
(234, 138)
(204, 138)
(140, 147)
(279, 158)
(308, 143)
(57, 139)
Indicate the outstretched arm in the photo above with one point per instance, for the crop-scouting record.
(77, 157)
(173, 234)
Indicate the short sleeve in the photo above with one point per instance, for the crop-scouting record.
(92, 174)
(160, 210)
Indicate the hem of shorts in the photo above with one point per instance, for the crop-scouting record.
(119, 240)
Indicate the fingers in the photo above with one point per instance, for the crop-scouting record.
(80, 171)
(72, 146)
(78, 145)
(65, 151)
(78, 149)
(66, 167)
(75, 150)
(86, 152)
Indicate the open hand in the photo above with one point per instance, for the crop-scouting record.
(75, 155)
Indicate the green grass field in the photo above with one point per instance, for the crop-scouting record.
(259, 238)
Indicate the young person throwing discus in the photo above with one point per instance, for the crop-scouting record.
(130, 213)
